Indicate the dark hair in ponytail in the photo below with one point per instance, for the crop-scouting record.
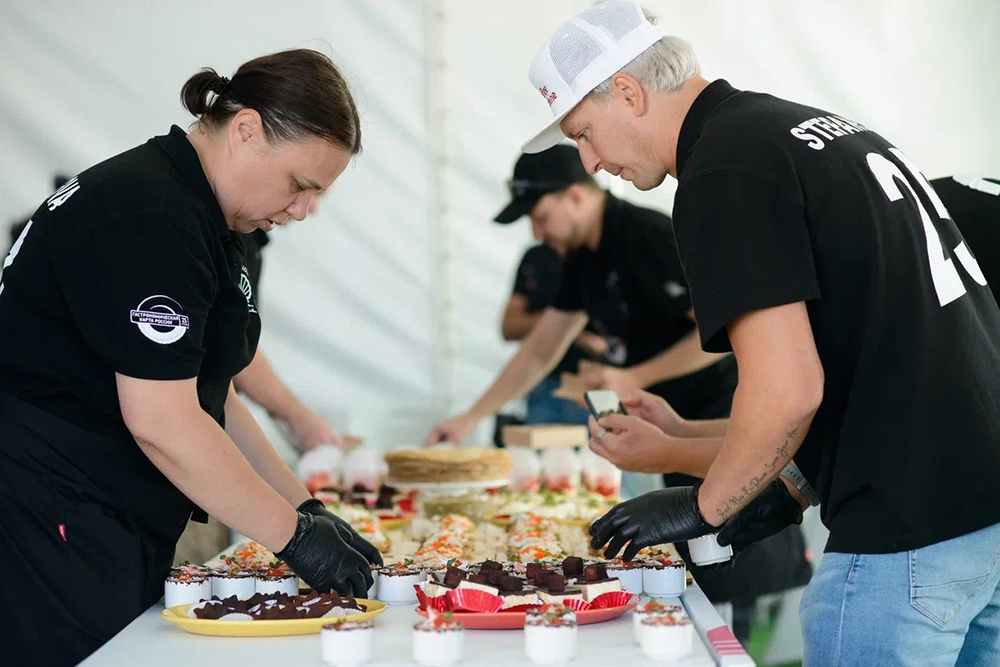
(298, 94)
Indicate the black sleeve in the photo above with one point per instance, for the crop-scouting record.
(140, 291)
(744, 245)
(538, 277)
(569, 298)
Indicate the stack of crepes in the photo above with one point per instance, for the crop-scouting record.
(432, 465)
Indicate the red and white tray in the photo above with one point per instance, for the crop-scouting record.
(461, 603)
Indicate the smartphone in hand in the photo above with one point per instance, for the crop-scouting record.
(603, 402)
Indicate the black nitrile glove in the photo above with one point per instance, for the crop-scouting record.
(360, 544)
(657, 517)
(773, 510)
(319, 554)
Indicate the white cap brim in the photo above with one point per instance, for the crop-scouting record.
(549, 136)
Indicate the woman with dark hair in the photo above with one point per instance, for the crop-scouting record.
(125, 312)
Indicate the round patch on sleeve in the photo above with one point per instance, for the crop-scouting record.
(160, 319)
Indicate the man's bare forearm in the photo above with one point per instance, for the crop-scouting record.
(537, 356)
(704, 428)
(758, 445)
(682, 358)
(516, 326)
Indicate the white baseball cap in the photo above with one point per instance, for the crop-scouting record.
(582, 53)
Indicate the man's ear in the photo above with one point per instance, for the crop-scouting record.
(627, 89)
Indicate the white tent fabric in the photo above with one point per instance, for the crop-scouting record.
(382, 312)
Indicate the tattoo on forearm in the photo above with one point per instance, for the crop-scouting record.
(781, 457)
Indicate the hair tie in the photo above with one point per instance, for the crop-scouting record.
(220, 86)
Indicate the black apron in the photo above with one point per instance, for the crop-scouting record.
(86, 541)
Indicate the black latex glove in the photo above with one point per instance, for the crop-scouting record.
(360, 544)
(657, 517)
(319, 554)
(773, 510)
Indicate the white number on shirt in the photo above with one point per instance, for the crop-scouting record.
(13, 252)
(947, 283)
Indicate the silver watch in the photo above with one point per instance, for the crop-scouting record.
(798, 480)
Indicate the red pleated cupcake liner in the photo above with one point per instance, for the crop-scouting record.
(577, 605)
(521, 608)
(613, 599)
(468, 599)
(440, 603)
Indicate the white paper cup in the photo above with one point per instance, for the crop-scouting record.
(438, 649)
(186, 592)
(548, 645)
(349, 645)
(241, 587)
(666, 643)
(705, 550)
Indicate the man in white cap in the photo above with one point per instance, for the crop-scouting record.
(865, 333)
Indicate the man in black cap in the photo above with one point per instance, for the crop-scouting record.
(535, 288)
(623, 276)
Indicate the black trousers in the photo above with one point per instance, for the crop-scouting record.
(775, 564)
(75, 569)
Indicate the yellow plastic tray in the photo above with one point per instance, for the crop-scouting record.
(297, 626)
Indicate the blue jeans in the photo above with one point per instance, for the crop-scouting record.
(544, 408)
(934, 606)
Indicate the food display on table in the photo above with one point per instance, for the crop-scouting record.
(579, 507)
(472, 557)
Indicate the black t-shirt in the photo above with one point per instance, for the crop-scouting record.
(537, 279)
(254, 259)
(779, 203)
(128, 268)
(632, 287)
(974, 204)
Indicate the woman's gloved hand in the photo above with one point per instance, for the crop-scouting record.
(320, 555)
(360, 544)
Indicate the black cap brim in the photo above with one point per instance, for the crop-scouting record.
(515, 210)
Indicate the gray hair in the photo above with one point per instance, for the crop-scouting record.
(663, 67)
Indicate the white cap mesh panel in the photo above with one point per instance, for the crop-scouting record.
(572, 50)
(616, 19)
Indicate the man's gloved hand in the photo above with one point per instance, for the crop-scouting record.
(657, 517)
(360, 544)
(773, 510)
(319, 554)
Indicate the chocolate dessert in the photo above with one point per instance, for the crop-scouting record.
(278, 606)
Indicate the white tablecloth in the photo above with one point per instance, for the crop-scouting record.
(153, 642)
